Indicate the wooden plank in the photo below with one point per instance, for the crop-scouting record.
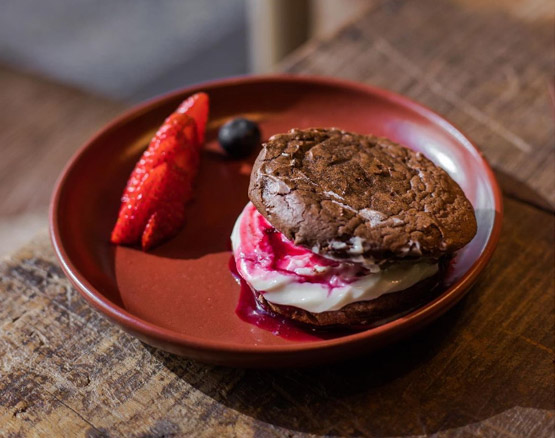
(42, 123)
(484, 368)
(489, 73)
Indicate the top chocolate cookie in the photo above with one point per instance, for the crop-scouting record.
(345, 195)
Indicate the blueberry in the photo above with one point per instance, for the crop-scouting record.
(239, 137)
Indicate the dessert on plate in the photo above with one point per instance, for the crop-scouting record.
(342, 229)
(345, 229)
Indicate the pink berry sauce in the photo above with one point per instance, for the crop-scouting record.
(249, 311)
(263, 250)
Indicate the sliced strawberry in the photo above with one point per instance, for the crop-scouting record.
(153, 202)
(175, 142)
(136, 208)
(196, 106)
(173, 190)
(164, 187)
(163, 224)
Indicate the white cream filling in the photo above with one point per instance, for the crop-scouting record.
(283, 289)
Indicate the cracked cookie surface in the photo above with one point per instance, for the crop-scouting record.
(346, 195)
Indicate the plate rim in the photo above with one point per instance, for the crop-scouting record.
(417, 318)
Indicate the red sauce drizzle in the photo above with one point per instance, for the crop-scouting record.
(248, 310)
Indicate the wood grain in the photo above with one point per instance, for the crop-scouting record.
(484, 368)
(489, 73)
(42, 123)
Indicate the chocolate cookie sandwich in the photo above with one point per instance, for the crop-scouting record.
(346, 229)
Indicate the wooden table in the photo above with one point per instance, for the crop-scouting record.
(486, 368)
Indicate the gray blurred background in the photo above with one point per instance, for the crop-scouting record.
(126, 49)
(134, 49)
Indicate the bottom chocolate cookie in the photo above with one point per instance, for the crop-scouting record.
(363, 314)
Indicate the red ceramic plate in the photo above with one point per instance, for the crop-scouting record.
(181, 297)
